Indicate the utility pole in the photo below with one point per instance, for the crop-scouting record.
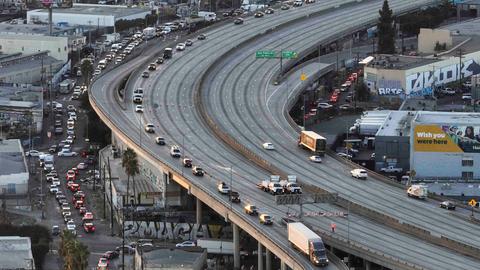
(111, 198)
(460, 74)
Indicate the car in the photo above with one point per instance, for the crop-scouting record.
(234, 196)
(258, 14)
(238, 21)
(75, 170)
(88, 216)
(82, 166)
(69, 140)
(448, 91)
(284, 7)
(53, 149)
(145, 74)
(180, 47)
(71, 225)
(137, 98)
(359, 173)
(89, 227)
(97, 72)
(188, 42)
(71, 132)
(175, 151)
(223, 188)
(139, 108)
(449, 205)
(110, 255)
(152, 66)
(197, 171)
(71, 108)
(345, 107)
(250, 209)
(150, 128)
(160, 140)
(324, 105)
(265, 219)
(33, 153)
(51, 177)
(103, 263)
(269, 11)
(125, 249)
(55, 230)
(53, 189)
(82, 210)
(71, 176)
(268, 146)
(345, 155)
(56, 182)
(58, 131)
(186, 244)
(67, 153)
(160, 60)
(74, 187)
(67, 214)
(467, 96)
(201, 37)
(187, 162)
(316, 159)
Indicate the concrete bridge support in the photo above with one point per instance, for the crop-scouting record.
(260, 257)
(268, 260)
(199, 211)
(236, 246)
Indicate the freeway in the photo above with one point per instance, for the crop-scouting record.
(170, 106)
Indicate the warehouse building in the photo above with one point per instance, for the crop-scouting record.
(13, 170)
(30, 68)
(16, 253)
(89, 14)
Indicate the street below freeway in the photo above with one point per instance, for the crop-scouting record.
(180, 106)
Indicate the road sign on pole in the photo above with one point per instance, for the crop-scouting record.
(265, 54)
(303, 76)
(472, 202)
(289, 54)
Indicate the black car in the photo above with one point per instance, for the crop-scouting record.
(258, 14)
(152, 66)
(447, 205)
(284, 7)
(55, 230)
(145, 74)
(187, 162)
(269, 11)
(53, 149)
(234, 196)
(58, 131)
(167, 53)
(188, 42)
(238, 21)
(201, 37)
(159, 60)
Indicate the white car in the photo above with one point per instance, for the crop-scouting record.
(71, 225)
(324, 105)
(316, 159)
(69, 140)
(359, 173)
(72, 116)
(56, 182)
(139, 108)
(223, 188)
(150, 128)
(467, 96)
(97, 71)
(137, 98)
(70, 122)
(186, 244)
(344, 155)
(33, 153)
(268, 146)
(180, 46)
(67, 153)
(53, 189)
(81, 166)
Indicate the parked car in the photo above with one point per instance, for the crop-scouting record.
(186, 244)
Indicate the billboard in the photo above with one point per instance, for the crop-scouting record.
(446, 138)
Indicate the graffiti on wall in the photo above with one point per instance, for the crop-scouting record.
(416, 83)
(389, 88)
(171, 231)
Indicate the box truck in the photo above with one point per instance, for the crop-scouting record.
(308, 242)
(418, 191)
(149, 32)
(313, 142)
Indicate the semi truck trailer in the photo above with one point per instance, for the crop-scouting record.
(313, 141)
(308, 242)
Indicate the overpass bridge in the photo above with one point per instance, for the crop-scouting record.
(216, 92)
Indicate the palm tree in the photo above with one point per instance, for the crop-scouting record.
(130, 164)
(87, 69)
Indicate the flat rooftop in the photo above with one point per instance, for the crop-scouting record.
(103, 10)
(32, 63)
(457, 118)
(396, 124)
(35, 29)
(11, 156)
(173, 259)
(15, 252)
(401, 62)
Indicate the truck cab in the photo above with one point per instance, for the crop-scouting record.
(318, 254)
(167, 53)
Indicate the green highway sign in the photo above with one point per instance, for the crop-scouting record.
(289, 54)
(265, 54)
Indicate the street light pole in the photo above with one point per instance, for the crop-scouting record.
(231, 184)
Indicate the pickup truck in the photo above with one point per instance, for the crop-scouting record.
(391, 169)
(271, 187)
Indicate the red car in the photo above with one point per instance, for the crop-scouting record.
(78, 196)
(73, 187)
(334, 98)
(89, 227)
(79, 204)
(71, 176)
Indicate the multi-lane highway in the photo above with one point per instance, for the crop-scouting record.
(238, 96)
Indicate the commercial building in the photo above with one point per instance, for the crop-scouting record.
(13, 170)
(404, 76)
(89, 14)
(16, 253)
(21, 110)
(170, 259)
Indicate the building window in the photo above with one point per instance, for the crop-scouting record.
(11, 189)
(467, 175)
(467, 162)
(65, 49)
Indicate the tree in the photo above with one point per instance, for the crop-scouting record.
(75, 254)
(362, 93)
(87, 71)
(386, 33)
(130, 164)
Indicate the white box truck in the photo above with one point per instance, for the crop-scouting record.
(418, 191)
(149, 32)
(308, 242)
